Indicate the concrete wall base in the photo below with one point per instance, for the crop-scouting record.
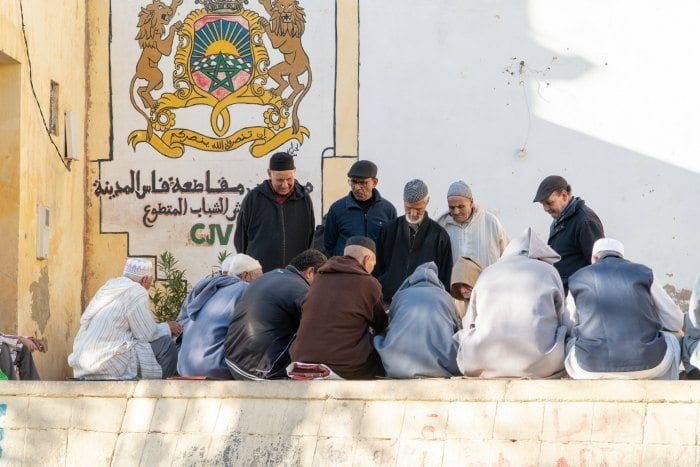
(419, 422)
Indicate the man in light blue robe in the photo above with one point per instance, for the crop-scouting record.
(422, 321)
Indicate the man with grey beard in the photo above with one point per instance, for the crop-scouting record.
(411, 240)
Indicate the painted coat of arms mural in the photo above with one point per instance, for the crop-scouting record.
(201, 92)
(221, 61)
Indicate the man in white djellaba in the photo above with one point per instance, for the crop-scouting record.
(118, 338)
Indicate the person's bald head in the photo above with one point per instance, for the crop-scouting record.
(363, 255)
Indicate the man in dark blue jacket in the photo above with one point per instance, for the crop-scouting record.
(575, 227)
(362, 212)
(267, 318)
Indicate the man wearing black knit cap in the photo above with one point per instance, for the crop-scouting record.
(276, 221)
(575, 227)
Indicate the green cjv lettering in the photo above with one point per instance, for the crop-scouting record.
(199, 235)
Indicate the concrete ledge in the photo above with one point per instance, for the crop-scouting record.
(386, 422)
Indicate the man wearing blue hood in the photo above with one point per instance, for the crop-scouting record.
(206, 315)
(422, 321)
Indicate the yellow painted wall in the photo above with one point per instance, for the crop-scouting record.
(48, 292)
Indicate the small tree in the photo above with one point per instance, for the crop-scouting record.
(170, 291)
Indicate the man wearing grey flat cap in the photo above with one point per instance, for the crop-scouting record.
(276, 221)
(411, 240)
(575, 227)
(362, 212)
(474, 232)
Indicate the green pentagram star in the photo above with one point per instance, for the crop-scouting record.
(221, 67)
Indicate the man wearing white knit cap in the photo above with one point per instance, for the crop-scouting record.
(118, 337)
(206, 315)
(623, 321)
(474, 232)
(411, 240)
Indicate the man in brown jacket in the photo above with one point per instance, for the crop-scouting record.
(344, 302)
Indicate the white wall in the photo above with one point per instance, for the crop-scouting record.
(606, 96)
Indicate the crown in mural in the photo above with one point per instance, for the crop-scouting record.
(222, 6)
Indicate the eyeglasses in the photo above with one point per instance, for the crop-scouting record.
(360, 183)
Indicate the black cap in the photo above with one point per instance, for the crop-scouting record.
(363, 169)
(362, 241)
(282, 161)
(548, 186)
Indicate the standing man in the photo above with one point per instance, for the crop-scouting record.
(276, 221)
(575, 227)
(474, 232)
(362, 212)
(411, 240)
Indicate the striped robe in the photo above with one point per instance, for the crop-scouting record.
(114, 335)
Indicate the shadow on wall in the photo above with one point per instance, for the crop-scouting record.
(463, 93)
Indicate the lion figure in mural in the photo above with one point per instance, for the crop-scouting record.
(153, 19)
(285, 28)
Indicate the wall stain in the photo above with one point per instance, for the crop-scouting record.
(40, 299)
(680, 296)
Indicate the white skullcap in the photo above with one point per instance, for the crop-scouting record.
(226, 264)
(138, 267)
(608, 244)
(241, 263)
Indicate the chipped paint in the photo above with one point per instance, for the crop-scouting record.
(680, 296)
(41, 300)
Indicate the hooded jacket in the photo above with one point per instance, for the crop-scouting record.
(205, 317)
(514, 324)
(271, 232)
(397, 258)
(572, 236)
(422, 321)
(346, 218)
(265, 323)
(465, 271)
(343, 304)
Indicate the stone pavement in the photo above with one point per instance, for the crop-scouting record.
(419, 422)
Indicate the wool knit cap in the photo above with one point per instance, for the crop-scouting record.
(138, 267)
(608, 244)
(362, 241)
(241, 263)
(459, 188)
(548, 186)
(282, 161)
(363, 169)
(414, 191)
(226, 264)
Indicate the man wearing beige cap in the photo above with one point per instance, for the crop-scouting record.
(575, 227)
(474, 232)
(205, 317)
(118, 337)
(623, 321)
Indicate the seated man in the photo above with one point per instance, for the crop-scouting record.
(267, 318)
(690, 350)
(621, 320)
(513, 326)
(16, 352)
(206, 314)
(342, 307)
(465, 272)
(118, 337)
(422, 321)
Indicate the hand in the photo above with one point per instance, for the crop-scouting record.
(28, 342)
(263, 22)
(175, 328)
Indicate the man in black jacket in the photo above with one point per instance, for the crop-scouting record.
(411, 240)
(267, 318)
(575, 227)
(276, 221)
